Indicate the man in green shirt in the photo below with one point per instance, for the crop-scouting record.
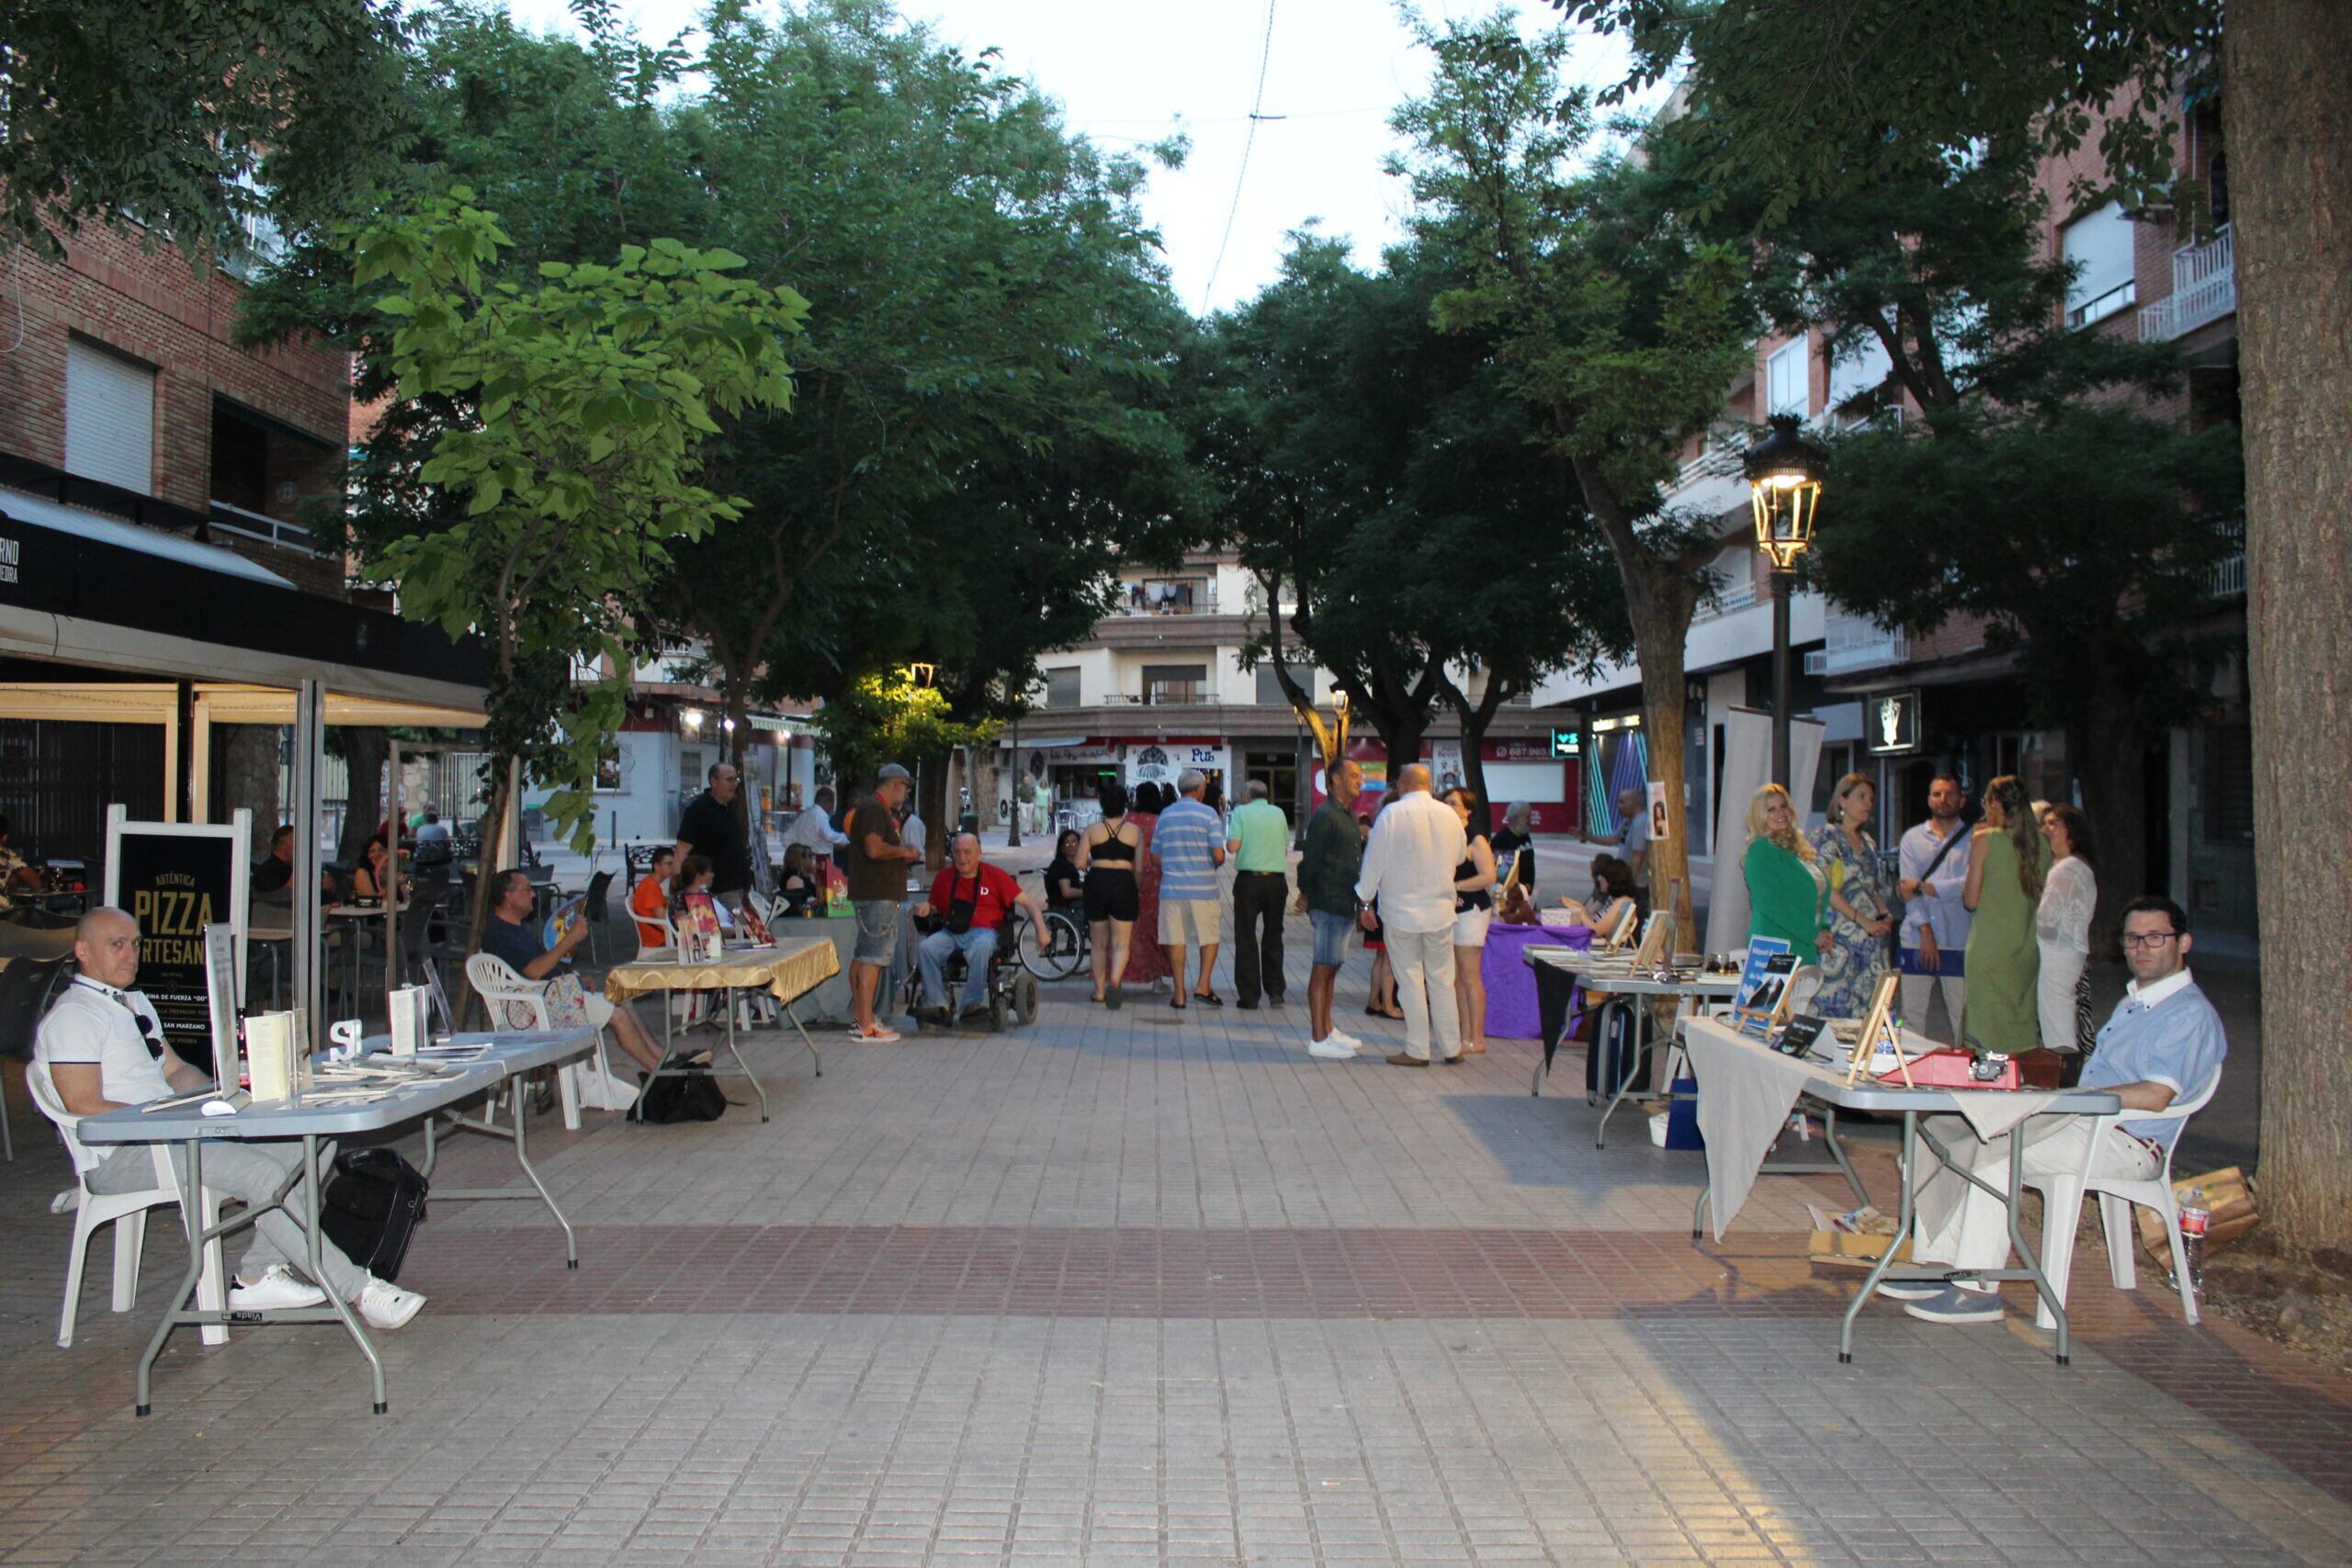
(1260, 848)
(1328, 867)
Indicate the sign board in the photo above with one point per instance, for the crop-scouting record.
(174, 879)
(1891, 723)
(1567, 745)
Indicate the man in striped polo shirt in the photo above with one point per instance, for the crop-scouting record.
(1189, 844)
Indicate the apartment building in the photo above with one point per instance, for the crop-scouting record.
(1900, 705)
(1160, 687)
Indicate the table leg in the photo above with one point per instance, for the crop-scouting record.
(317, 1239)
(728, 999)
(523, 1158)
(1895, 1243)
(196, 1239)
(814, 1054)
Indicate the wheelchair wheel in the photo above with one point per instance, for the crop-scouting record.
(1025, 997)
(1064, 952)
(998, 1008)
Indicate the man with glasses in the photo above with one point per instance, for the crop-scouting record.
(711, 825)
(1934, 939)
(2165, 1041)
(103, 1048)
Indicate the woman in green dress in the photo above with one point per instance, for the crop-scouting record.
(2008, 862)
(1785, 886)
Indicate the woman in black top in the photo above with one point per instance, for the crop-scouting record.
(1107, 855)
(1065, 884)
(1474, 906)
(799, 885)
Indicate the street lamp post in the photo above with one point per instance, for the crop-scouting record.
(1784, 473)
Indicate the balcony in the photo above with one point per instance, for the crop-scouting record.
(1171, 597)
(2204, 289)
(1853, 642)
(244, 525)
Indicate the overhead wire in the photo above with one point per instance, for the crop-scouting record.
(1257, 118)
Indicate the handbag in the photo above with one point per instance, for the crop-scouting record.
(690, 1095)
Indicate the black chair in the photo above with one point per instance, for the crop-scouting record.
(599, 911)
(27, 986)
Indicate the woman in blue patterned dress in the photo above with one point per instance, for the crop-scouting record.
(1860, 910)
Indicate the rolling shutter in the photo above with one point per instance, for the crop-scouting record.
(110, 417)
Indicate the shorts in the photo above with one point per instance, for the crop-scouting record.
(878, 931)
(1191, 922)
(1331, 937)
(600, 1009)
(1111, 896)
(1470, 927)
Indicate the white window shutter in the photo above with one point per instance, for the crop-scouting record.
(110, 417)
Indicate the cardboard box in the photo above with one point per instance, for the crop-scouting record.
(1847, 1248)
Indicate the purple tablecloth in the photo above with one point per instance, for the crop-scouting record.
(1511, 985)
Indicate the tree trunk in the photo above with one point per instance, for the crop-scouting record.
(2110, 753)
(1661, 617)
(365, 749)
(934, 807)
(1401, 735)
(2287, 113)
(249, 756)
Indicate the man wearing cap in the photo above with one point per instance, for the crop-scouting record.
(1189, 844)
(878, 859)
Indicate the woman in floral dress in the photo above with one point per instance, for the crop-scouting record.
(1860, 909)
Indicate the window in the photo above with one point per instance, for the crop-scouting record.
(1175, 684)
(1061, 687)
(2098, 252)
(1861, 369)
(109, 416)
(1734, 575)
(1785, 390)
(1269, 689)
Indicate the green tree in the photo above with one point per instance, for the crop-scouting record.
(1809, 81)
(169, 111)
(1617, 324)
(563, 491)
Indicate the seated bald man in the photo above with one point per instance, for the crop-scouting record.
(976, 899)
(103, 1048)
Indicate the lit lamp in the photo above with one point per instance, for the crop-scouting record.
(921, 674)
(1784, 473)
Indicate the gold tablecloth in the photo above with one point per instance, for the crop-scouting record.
(789, 970)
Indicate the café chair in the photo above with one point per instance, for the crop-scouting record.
(2062, 1207)
(598, 911)
(127, 1212)
(513, 1003)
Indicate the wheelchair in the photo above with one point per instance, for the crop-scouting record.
(1010, 991)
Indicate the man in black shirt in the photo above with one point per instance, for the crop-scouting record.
(710, 826)
(276, 868)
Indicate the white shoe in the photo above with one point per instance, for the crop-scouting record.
(1340, 1037)
(277, 1290)
(1332, 1047)
(385, 1305)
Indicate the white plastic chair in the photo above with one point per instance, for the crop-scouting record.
(127, 1214)
(1804, 984)
(497, 985)
(2062, 1207)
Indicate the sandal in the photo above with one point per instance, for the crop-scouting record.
(1176, 1003)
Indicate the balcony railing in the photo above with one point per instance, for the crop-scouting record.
(1171, 597)
(228, 519)
(2229, 578)
(2204, 289)
(1169, 692)
(1850, 643)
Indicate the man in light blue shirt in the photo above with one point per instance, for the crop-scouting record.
(1189, 844)
(2164, 1042)
(1933, 874)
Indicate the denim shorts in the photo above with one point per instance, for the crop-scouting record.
(1331, 937)
(878, 931)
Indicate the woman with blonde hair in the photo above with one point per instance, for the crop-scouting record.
(2009, 862)
(1859, 923)
(1786, 889)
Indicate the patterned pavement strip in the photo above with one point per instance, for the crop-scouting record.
(1147, 1287)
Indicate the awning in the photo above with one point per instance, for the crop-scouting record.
(1050, 742)
(81, 523)
(149, 701)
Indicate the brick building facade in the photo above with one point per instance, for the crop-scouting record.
(241, 437)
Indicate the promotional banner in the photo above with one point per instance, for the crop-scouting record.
(174, 879)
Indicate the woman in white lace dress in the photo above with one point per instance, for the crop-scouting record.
(2062, 927)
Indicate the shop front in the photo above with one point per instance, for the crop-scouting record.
(1516, 769)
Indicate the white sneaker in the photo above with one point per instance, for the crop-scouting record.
(276, 1290)
(1332, 1047)
(1342, 1037)
(385, 1305)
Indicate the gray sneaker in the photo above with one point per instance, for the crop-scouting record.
(1954, 1304)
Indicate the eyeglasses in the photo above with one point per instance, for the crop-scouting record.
(2148, 938)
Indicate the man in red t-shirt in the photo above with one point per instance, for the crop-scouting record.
(975, 899)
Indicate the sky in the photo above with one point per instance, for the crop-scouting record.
(1129, 72)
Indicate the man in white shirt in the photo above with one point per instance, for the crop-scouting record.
(814, 828)
(103, 1047)
(1417, 847)
(1934, 873)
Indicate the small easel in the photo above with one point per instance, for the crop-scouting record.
(1878, 1028)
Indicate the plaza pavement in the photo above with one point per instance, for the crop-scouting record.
(1149, 1287)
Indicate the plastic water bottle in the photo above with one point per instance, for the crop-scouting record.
(2194, 1217)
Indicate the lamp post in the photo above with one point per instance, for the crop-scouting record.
(1784, 473)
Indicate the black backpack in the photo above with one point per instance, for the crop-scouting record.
(372, 1207)
(691, 1096)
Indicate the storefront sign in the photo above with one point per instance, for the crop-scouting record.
(174, 879)
(1891, 723)
(1567, 745)
(1076, 753)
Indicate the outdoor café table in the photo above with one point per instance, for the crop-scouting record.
(1613, 973)
(1746, 1089)
(785, 970)
(507, 1060)
(1512, 1013)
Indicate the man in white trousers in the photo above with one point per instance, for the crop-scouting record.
(1409, 865)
